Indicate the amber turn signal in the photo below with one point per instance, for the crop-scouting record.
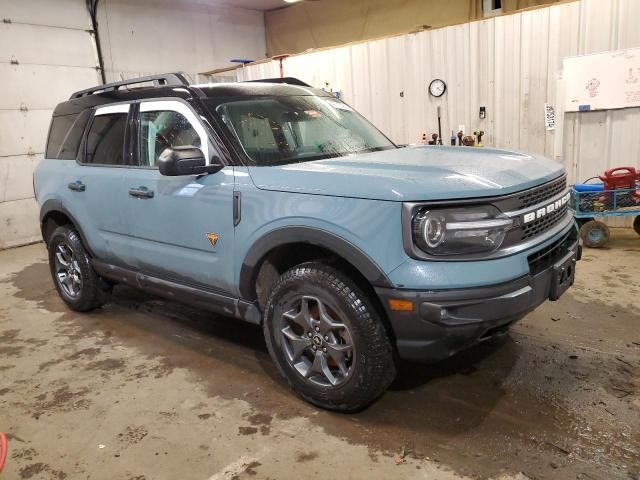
(398, 305)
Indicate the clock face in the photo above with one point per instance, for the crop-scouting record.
(437, 87)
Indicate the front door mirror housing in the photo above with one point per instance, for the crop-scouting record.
(186, 161)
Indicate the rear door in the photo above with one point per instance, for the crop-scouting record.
(182, 227)
(96, 194)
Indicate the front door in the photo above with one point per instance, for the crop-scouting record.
(182, 227)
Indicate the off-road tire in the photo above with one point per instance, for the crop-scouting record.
(636, 224)
(595, 234)
(93, 292)
(373, 367)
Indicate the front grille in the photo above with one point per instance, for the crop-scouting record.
(543, 224)
(539, 194)
(551, 253)
(529, 199)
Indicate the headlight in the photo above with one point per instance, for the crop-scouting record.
(459, 231)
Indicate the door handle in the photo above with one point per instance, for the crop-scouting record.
(141, 192)
(77, 186)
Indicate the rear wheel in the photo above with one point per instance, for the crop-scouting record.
(327, 339)
(76, 281)
(594, 234)
(636, 224)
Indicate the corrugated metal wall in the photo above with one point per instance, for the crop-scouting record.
(594, 141)
(509, 64)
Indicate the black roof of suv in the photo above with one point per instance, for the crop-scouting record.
(176, 85)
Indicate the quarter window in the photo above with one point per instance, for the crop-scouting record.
(105, 141)
(60, 126)
(163, 129)
(65, 135)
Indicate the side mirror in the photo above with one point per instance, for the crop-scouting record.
(186, 161)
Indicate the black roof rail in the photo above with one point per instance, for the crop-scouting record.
(165, 79)
(288, 80)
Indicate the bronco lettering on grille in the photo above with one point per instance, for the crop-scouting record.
(541, 212)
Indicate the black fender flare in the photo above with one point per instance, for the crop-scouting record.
(55, 205)
(313, 236)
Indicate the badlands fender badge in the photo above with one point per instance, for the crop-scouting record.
(547, 209)
(213, 238)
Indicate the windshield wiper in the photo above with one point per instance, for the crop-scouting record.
(311, 158)
(324, 156)
(374, 149)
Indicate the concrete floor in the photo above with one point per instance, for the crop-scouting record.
(148, 389)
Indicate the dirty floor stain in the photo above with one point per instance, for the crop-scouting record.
(149, 389)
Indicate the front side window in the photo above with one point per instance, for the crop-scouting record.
(290, 129)
(105, 140)
(163, 129)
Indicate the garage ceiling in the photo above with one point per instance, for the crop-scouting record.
(255, 4)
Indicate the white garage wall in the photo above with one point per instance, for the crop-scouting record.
(46, 53)
(509, 64)
(143, 37)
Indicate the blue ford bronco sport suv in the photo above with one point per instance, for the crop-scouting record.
(276, 203)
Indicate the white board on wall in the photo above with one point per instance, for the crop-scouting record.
(602, 81)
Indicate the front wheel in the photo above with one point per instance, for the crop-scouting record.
(636, 224)
(76, 281)
(327, 338)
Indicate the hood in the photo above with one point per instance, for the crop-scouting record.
(412, 174)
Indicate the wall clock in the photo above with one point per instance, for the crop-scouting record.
(437, 87)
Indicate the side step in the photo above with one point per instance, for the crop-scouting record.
(218, 302)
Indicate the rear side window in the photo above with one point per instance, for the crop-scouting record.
(105, 140)
(65, 135)
(60, 126)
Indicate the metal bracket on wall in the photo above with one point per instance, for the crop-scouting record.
(92, 6)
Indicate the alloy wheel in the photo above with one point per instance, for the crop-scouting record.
(317, 342)
(67, 270)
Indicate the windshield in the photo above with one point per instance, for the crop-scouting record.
(290, 129)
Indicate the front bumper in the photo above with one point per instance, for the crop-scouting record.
(444, 322)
